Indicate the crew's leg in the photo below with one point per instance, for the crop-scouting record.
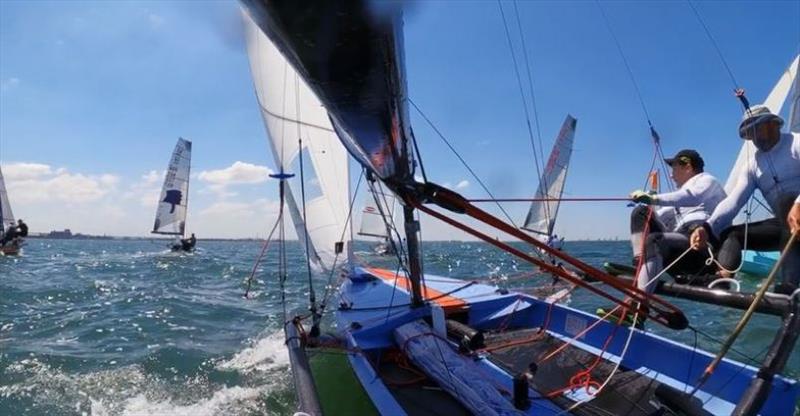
(761, 235)
(641, 218)
(790, 270)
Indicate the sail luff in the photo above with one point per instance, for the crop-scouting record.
(6, 215)
(542, 214)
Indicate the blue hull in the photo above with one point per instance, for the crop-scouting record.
(373, 304)
(759, 263)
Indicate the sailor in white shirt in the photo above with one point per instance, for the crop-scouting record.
(669, 227)
(691, 204)
(774, 169)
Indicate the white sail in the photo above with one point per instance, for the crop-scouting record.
(174, 199)
(379, 204)
(291, 113)
(542, 215)
(6, 216)
(774, 102)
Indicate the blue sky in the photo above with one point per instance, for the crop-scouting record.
(94, 95)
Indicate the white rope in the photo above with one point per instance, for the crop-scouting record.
(725, 280)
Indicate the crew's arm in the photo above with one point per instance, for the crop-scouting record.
(724, 213)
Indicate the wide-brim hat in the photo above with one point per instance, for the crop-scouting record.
(756, 115)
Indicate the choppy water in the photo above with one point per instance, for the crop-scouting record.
(90, 327)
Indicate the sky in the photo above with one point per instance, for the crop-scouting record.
(93, 96)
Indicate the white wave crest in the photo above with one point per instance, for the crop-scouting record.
(268, 353)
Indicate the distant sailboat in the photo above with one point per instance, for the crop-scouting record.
(174, 199)
(378, 212)
(541, 218)
(7, 221)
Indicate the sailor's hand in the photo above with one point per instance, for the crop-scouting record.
(794, 218)
(642, 197)
(699, 238)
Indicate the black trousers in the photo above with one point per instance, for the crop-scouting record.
(767, 235)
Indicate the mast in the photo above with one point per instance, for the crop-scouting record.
(414, 261)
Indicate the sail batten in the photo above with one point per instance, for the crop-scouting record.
(174, 198)
(297, 122)
(542, 214)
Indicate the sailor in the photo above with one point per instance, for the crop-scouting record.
(773, 169)
(187, 244)
(23, 228)
(10, 234)
(669, 228)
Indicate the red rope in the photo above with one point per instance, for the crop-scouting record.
(587, 199)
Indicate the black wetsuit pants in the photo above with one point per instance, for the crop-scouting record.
(661, 248)
(767, 235)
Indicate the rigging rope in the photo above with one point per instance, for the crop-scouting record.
(716, 46)
(261, 255)
(461, 159)
(524, 101)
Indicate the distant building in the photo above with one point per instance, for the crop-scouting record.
(60, 234)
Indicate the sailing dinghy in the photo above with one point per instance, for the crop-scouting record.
(7, 222)
(174, 200)
(429, 345)
(541, 219)
(378, 211)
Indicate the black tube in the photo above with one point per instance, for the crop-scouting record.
(777, 356)
(778, 306)
(307, 398)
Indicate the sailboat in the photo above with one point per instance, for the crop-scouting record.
(541, 218)
(424, 344)
(174, 199)
(7, 221)
(759, 263)
(378, 212)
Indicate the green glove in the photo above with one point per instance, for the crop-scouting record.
(643, 197)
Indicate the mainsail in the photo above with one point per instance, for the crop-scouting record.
(171, 211)
(351, 56)
(775, 100)
(6, 216)
(378, 210)
(542, 215)
(298, 123)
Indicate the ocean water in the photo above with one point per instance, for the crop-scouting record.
(123, 327)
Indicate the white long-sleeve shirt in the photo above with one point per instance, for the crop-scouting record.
(696, 199)
(775, 173)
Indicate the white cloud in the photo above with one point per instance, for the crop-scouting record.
(152, 177)
(9, 83)
(237, 173)
(24, 171)
(35, 182)
(229, 219)
(463, 184)
(155, 20)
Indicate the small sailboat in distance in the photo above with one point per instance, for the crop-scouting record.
(7, 222)
(377, 217)
(174, 199)
(541, 219)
